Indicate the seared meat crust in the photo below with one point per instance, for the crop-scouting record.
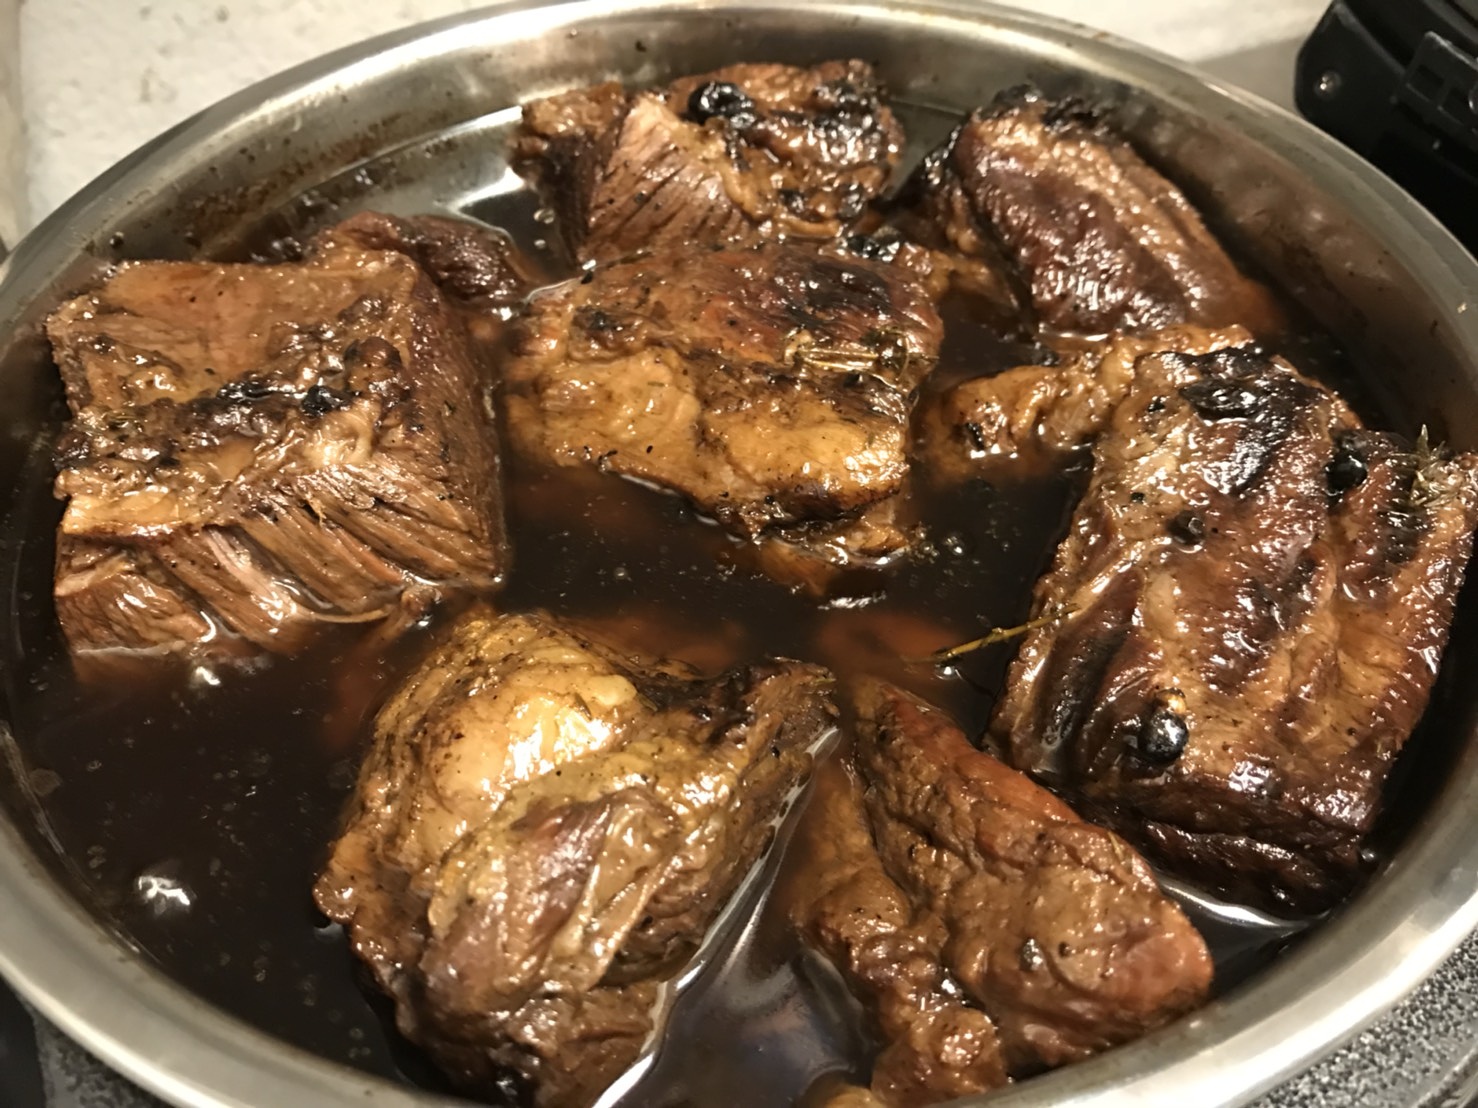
(473, 265)
(769, 385)
(256, 449)
(1098, 240)
(542, 835)
(745, 153)
(988, 930)
(1252, 597)
(934, 1044)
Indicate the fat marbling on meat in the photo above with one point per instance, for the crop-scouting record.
(1031, 416)
(1250, 606)
(740, 154)
(769, 385)
(986, 929)
(541, 835)
(1097, 240)
(256, 449)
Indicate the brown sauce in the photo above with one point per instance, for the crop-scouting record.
(194, 810)
(197, 815)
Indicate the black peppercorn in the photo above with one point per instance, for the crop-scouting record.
(1187, 527)
(1163, 735)
(1346, 470)
(721, 100)
(320, 399)
(877, 247)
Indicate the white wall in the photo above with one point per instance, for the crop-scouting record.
(12, 172)
(99, 77)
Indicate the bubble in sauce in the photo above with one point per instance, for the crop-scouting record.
(203, 677)
(162, 890)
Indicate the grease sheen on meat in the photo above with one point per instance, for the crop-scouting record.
(1254, 594)
(473, 265)
(1031, 415)
(1097, 239)
(256, 449)
(1238, 633)
(744, 153)
(988, 931)
(770, 385)
(542, 834)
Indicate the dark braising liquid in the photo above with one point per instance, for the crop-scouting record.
(194, 807)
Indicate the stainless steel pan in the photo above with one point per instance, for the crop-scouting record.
(415, 121)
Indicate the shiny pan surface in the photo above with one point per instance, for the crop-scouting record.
(415, 121)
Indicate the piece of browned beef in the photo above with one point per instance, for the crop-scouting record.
(934, 1043)
(1097, 239)
(744, 153)
(831, 1092)
(257, 449)
(472, 264)
(813, 557)
(542, 834)
(1031, 415)
(770, 385)
(1253, 596)
(988, 931)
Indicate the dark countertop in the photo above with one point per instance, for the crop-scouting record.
(20, 1079)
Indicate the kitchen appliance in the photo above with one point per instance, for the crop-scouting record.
(1397, 80)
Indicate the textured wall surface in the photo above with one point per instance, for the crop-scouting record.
(12, 169)
(100, 77)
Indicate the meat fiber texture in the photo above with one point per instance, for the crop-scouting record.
(986, 929)
(542, 834)
(1242, 626)
(258, 450)
(1032, 417)
(745, 153)
(1094, 239)
(770, 385)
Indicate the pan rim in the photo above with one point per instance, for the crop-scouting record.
(154, 1031)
